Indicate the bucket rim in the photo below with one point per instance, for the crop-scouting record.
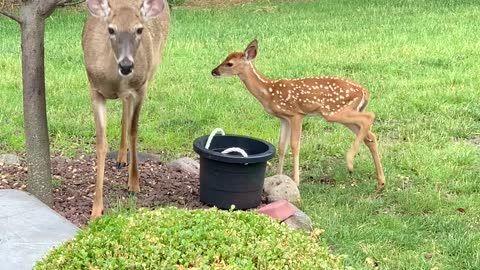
(199, 148)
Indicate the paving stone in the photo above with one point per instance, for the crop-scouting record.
(29, 229)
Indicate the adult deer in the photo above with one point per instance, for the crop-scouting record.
(336, 99)
(122, 43)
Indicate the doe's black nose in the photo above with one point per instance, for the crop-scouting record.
(126, 66)
(215, 72)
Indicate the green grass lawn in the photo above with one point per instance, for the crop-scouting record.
(419, 59)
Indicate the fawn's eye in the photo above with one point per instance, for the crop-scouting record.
(139, 31)
(111, 31)
(229, 65)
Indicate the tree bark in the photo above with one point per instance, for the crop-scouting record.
(34, 103)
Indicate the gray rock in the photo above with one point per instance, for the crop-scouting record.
(60, 161)
(185, 165)
(9, 159)
(299, 221)
(281, 187)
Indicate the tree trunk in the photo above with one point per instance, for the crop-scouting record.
(34, 103)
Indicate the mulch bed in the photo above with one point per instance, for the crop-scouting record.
(74, 181)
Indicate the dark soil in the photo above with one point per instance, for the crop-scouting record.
(74, 182)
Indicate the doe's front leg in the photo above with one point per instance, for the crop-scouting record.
(133, 174)
(123, 149)
(100, 113)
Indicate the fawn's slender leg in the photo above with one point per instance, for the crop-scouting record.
(133, 175)
(296, 133)
(371, 142)
(100, 112)
(122, 152)
(363, 120)
(285, 133)
(355, 129)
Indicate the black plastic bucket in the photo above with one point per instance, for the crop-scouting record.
(231, 179)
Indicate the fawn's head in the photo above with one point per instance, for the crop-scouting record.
(124, 26)
(236, 62)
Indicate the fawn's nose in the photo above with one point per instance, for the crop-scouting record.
(215, 73)
(125, 66)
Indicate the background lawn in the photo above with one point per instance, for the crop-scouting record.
(419, 59)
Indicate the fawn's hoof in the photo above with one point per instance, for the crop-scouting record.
(380, 187)
(350, 165)
(120, 165)
(350, 156)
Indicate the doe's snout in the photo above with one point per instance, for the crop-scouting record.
(126, 67)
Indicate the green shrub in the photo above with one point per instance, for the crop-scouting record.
(199, 239)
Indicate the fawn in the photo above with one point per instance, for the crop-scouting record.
(122, 43)
(336, 99)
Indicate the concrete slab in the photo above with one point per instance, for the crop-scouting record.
(28, 230)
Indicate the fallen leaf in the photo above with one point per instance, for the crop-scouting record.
(371, 263)
(315, 234)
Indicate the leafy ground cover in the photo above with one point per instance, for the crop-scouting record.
(177, 239)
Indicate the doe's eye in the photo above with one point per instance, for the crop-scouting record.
(139, 31)
(229, 64)
(111, 31)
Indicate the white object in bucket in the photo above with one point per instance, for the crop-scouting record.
(228, 150)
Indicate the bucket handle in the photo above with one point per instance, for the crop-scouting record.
(210, 138)
(235, 149)
(228, 150)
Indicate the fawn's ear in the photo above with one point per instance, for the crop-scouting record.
(152, 8)
(251, 50)
(99, 8)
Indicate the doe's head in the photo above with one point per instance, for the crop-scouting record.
(124, 26)
(237, 62)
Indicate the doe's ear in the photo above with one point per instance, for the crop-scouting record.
(152, 8)
(251, 50)
(99, 8)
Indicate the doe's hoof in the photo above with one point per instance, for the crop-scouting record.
(132, 193)
(95, 215)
